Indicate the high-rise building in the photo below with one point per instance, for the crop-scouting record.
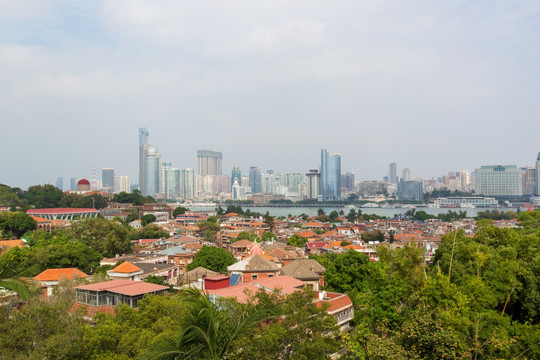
(209, 162)
(181, 184)
(236, 174)
(330, 176)
(347, 181)
(502, 181)
(392, 173)
(60, 183)
(163, 176)
(107, 179)
(313, 184)
(143, 147)
(152, 172)
(122, 184)
(406, 174)
(537, 192)
(268, 184)
(528, 180)
(255, 180)
(410, 190)
(73, 184)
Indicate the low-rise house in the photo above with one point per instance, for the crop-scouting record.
(306, 270)
(252, 268)
(340, 306)
(49, 279)
(103, 297)
(239, 249)
(195, 277)
(141, 271)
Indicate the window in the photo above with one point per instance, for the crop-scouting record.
(254, 277)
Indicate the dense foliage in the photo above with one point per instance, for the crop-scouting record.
(212, 258)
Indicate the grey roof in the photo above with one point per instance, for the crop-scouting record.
(173, 250)
(253, 263)
(148, 267)
(303, 269)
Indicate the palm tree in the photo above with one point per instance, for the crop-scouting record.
(9, 276)
(208, 330)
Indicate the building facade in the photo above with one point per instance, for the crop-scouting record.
(410, 190)
(502, 181)
(392, 173)
(107, 179)
(143, 144)
(209, 162)
(236, 174)
(255, 180)
(313, 184)
(330, 176)
(152, 172)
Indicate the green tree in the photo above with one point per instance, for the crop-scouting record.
(148, 219)
(269, 221)
(15, 224)
(209, 228)
(212, 258)
(152, 231)
(179, 211)
(320, 212)
(10, 276)
(44, 196)
(297, 241)
(106, 237)
(303, 331)
(333, 216)
(352, 215)
(208, 331)
(244, 235)
(134, 198)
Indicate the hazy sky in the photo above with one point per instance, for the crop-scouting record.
(434, 86)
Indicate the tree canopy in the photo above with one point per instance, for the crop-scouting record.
(212, 258)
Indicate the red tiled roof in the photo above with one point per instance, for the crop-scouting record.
(57, 274)
(60, 211)
(125, 287)
(39, 219)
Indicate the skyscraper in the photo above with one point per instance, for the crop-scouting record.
(143, 145)
(60, 183)
(330, 176)
(152, 171)
(73, 184)
(255, 180)
(236, 174)
(392, 173)
(209, 162)
(107, 179)
(313, 184)
(163, 177)
(410, 190)
(406, 174)
(537, 193)
(181, 184)
(347, 181)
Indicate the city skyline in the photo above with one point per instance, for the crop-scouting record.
(423, 85)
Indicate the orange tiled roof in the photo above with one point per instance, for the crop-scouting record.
(8, 244)
(56, 274)
(39, 219)
(126, 268)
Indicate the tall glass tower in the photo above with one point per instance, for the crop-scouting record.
(143, 148)
(152, 172)
(330, 176)
(236, 175)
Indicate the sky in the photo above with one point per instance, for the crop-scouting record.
(434, 86)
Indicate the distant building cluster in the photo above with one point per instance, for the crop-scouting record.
(160, 179)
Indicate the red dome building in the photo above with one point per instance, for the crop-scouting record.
(83, 185)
